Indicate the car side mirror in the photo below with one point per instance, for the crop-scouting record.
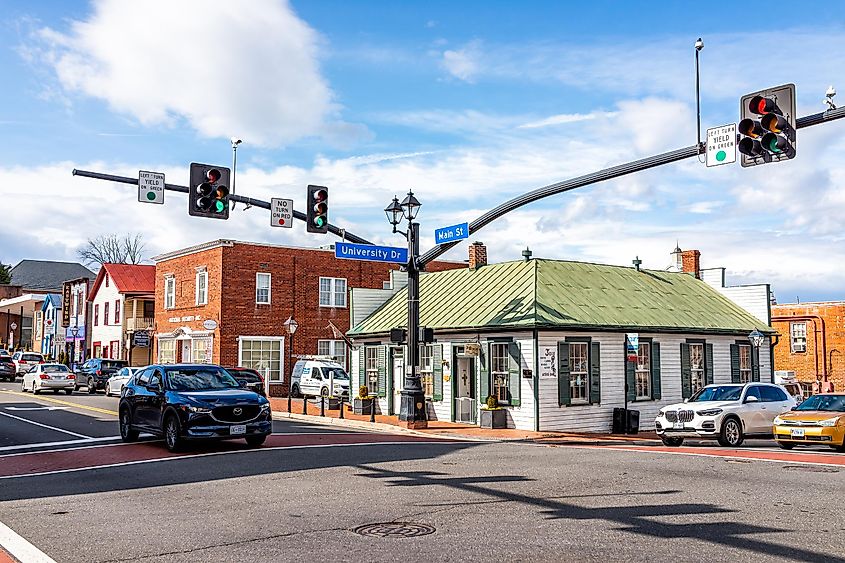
(751, 399)
(242, 382)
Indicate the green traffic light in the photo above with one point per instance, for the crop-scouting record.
(219, 206)
(319, 221)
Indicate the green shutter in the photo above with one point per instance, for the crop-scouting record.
(514, 374)
(755, 363)
(686, 372)
(734, 363)
(655, 371)
(437, 359)
(595, 373)
(630, 376)
(708, 364)
(362, 378)
(483, 372)
(563, 394)
(382, 371)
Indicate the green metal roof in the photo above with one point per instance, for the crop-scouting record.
(561, 294)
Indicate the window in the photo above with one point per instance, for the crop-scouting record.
(772, 394)
(643, 371)
(744, 363)
(696, 357)
(201, 350)
(117, 311)
(263, 355)
(427, 369)
(202, 288)
(79, 300)
(332, 292)
(798, 337)
(262, 288)
(107, 280)
(579, 373)
(167, 351)
(334, 348)
(105, 314)
(371, 367)
(499, 359)
(96, 315)
(169, 292)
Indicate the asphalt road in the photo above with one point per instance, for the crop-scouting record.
(303, 495)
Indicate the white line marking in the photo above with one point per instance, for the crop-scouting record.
(21, 549)
(50, 444)
(45, 426)
(36, 408)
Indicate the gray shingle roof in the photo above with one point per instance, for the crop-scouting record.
(44, 275)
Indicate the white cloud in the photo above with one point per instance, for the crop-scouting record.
(559, 119)
(463, 63)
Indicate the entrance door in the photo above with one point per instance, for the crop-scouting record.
(398, 382)
(463, 383)
(186, 351)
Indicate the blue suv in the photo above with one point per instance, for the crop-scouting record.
(192, 402)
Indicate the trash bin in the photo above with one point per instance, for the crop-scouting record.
(633, 422)
(618, 421)
(623, 424)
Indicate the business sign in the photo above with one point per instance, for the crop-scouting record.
(66, 304)
(150, 187)
(451, 234)
(721, 145)
(209, 324)
(632, 345)
(371, 252)
(49, 327)
(141, 339)
(73, 333)
(472, 350)
(548, 362)
(281, 212)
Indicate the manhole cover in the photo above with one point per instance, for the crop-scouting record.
(394, 530)
(811, 468)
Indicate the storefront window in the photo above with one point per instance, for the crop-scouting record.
(263, 355)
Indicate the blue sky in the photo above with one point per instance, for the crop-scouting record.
(467, 103)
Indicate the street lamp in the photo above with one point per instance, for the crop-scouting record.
(756, 338)
(412, 405)
(290, 325)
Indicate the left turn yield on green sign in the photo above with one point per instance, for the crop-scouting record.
(150, 187)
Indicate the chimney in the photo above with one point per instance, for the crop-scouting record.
(477, 255)
(691, 262)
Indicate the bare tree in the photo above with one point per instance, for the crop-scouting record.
(115, 249)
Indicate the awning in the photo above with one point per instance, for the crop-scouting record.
(29, 302)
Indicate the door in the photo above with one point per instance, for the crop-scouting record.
(754, 412)
(463, 382)
(186, 351)
(397, 382)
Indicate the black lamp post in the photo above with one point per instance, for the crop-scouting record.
(291, 325)
(412, 403)
(756, 338)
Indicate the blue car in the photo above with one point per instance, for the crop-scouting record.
(183, 402)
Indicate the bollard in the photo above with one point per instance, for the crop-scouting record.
(372, 410)
(289, 411)
(304, 404)
(341, 406)
(322, 405)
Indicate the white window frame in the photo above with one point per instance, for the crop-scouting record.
(259, 275)
(642, 376)
(798, 337)
(207, 350)
(371, 369)
(331, 348)
(273, 377)
(332, 293)
(697, 362)
(579, 394)
(201, 295)
(169, 292)
(745, 363)
(169, 358)
(427, 369)
(500, 371)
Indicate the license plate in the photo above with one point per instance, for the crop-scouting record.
(678, 426)
(237, 429)
(797, 432)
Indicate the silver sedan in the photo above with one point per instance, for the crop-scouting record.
(41, 377)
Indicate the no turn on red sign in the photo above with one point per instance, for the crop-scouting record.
(281, 212)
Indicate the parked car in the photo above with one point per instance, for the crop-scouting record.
(8, 371)
(55, 377)
(192, 402)
(25, 360)
(95, 373)
(4, 352)
(319, 377)
(116, 382)
(820, 419)
(729, 413)
(790, 383)
(251, 379)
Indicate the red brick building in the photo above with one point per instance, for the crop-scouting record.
(812, 341)
(226, 302)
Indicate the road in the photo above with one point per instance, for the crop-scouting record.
(306, 493)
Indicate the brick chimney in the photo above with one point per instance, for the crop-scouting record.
(691, 262)
(477, 255)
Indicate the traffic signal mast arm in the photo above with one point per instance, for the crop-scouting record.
(600, 176)
(346, 235)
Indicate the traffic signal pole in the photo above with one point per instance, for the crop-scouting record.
(343, 233)
(600, 176)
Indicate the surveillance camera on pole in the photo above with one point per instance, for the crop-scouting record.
(828, 100)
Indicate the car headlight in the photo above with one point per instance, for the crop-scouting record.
(265, 407)
(709, 412)
(199, 410)
(777, 421)
(829, 421)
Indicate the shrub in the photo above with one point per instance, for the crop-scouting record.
(491, 402)
(363, 392)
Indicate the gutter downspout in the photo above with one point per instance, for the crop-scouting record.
(812, 318)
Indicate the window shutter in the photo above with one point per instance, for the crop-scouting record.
(437, 358)
(514, 374)
(563, 394)
(655, 370)
(708, 364)
(595, 373)
(755, 363)
(734, 363)
(382, 371)
(686, 372)
(362, 372)
(630, 378)
(483, 372)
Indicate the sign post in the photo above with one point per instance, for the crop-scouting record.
(721, 145)
(281, 212)
(150, 187)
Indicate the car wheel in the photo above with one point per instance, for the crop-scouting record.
(295, 391)
(69, 391)
(91, 387)
(672, 442)
(107, 390)
(35, 391)
(255, 441)
(23, 387)
(55, 391)
(786, 445)
(172, 439)
(127, 433)
(731, 434)
(324, 391)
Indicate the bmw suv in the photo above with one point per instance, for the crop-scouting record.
(184, 402)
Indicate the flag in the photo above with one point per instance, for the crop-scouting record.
(338, 334)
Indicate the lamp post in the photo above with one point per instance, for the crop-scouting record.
(290, 325)
(412, 403)
(756, 338)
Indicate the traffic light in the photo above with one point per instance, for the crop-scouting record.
(209, 195)
(318, 209)
(767, 126)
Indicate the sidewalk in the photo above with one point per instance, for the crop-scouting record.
(444, 429)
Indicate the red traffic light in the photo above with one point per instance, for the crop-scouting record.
(761, 105)
(213, 175)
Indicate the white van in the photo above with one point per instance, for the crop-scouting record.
(790, 383)
(319, 377)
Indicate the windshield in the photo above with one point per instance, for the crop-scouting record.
(336, 373)
(200, 379)
(58, 368)
(832, 403)
(720, 393)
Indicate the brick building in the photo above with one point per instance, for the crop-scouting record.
(812, 341)
(226, 302)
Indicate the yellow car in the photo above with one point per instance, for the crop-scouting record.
(818, 420)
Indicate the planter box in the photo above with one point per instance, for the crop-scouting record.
(362, 406)
(333, 404)
(496, 418)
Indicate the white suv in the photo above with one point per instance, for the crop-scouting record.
(729, 413)
(319, 377)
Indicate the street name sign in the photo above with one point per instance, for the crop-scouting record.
(450, 234)
(721, 145)
(371, 252)
(281, 212)
(150, 187)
